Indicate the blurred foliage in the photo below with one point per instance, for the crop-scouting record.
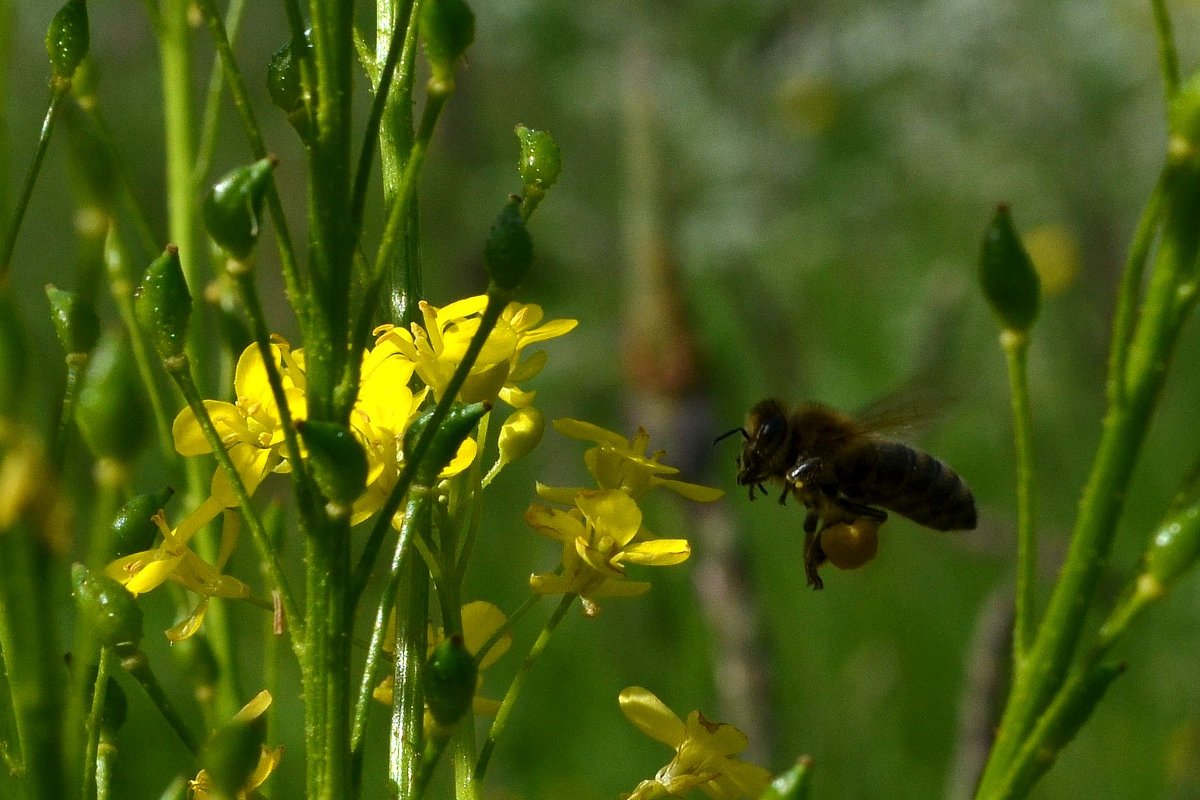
(826, 170)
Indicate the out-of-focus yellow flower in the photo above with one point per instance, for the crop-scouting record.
(620, 463)
(174, 560)
(249, 428)
(480, 620)
(437, 347)
(385, 408)
(202, 789)
(600, 536)
(704, 752)
(1056, 257)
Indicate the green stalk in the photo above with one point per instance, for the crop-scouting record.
(406, 743)
(59, 89)
(1016, 351)
(514, 688)
(93, 722)
(1168, 59)
(138, 668)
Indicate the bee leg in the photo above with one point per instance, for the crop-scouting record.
(783, 495)
(814, 557)
(860, 509)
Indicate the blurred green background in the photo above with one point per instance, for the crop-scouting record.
(813, 180)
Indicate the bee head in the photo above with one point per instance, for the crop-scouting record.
(765, 446)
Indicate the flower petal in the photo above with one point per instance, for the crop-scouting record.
(692, 491)
(651, 716)
(657, 552)
(578, 429)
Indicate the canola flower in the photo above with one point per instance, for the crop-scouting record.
(705, 752)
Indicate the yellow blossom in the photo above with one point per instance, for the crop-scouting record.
(620, 463)
(202, 789)
(437, 347)
(385, 408)
(704, 752)
(599, 536)
(174, 560)
(480, 621)
(250, 428)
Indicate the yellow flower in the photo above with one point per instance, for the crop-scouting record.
(385, 408)
(249, 428)
(704, 752)
(174, 560)
(600, 536)
(201, 788)
(480, 620)
(620, 463)
(437, 348)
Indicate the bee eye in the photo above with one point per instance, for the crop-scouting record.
(770, 431)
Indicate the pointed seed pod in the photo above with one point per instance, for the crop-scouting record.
(793, 784)
(74, 318)
(133, 528)
(285, 84)
(1010, 283)
(448, 28)
(67, 38)
(508, 254)
(107, 609)
(456, 427)
(541, 161)
(163, 304)
(450, 678)
(338, 460)
(233, 208)
(232, 753)
(110, 408)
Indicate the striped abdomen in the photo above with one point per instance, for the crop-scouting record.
(908, 481)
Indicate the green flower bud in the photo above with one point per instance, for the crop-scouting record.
(75, 320)
(12, 354)
(110, 408)
(456, 427)
(1009, 280)
(107, 609)
(67, 38)
(540, 162)
(233, 209)
(285, 85)
(1175, 546)
(450, 678)
(163, 304)
(336, 458)
(508, 253)
(232, 752)
(793, 784)
(448, 28)
(133, 529)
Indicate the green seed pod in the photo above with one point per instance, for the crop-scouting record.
(12, 354)
(508, 253)
(74, 318)
(456, 427)
(1010, 283)
(67, 38)
(233, 209)
(133, 529)
(540, 162)
(107, 609)
(232, 752)
(448, 28)
(793, 784)
(110, 408)
(285, 85)
(450, 679)
(337, 459)
(163, 304)
(1175, 546)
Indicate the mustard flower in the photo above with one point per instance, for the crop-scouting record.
(250, 427)
(599, 536)
(704, 752)
(201, 787)
(480, 621)
(437, 347)
(174, 560)
(385, 407)
(620, 463)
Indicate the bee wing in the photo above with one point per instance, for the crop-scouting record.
(906, 411)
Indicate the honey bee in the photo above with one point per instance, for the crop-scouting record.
(846, 474)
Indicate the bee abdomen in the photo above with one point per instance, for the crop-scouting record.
(910, 482)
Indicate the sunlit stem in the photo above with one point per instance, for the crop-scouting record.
(1016, 350)
(59, 90)
(138, 668)
(93, 722)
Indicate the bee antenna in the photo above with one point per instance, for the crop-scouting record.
(745, 434)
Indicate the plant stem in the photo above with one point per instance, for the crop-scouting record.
(58, 90)
(1168, 59)
(93, 723)
(138, 668)
(210, 121)
(514, 688)
(1016, 351)
(406, 742)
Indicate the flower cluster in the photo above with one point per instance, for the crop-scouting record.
(601, 531)
(400, 374)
